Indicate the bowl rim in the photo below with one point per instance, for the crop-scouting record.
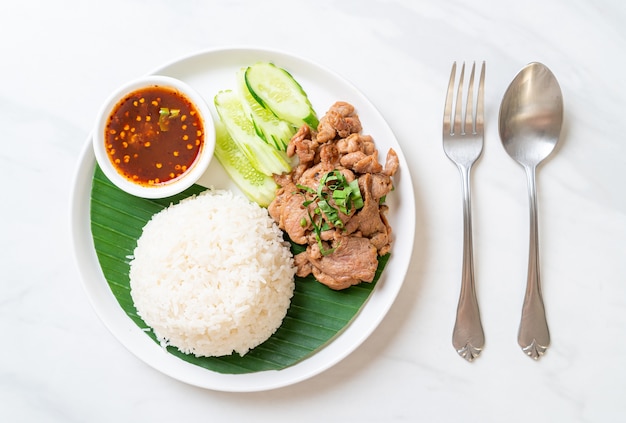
(177, 185)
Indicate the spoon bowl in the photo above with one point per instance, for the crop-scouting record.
(531, 116)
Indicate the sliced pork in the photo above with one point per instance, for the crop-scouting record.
(343, 244)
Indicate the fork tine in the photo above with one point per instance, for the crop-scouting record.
(447, 112)
(480, 102)
(459, 104)
(469, 121)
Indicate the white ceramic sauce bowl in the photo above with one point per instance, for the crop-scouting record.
(186, 178)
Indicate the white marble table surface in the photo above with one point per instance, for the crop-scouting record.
(58, 362)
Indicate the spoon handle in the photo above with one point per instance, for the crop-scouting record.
(533, 336)
(467, 337)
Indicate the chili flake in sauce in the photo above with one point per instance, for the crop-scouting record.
(154, 135)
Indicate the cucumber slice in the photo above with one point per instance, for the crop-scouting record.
(268, 126)
(275, 89)
(265, 158)
(255, 185)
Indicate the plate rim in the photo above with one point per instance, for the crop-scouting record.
(160, 360)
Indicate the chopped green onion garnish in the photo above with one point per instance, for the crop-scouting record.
(346, 196)
(165, 114)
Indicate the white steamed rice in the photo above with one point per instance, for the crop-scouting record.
(212, 275)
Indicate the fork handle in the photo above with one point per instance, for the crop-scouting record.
(467, 337)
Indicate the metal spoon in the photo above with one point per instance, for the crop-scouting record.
(531, 116)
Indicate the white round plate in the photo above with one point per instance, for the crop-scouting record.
(209, 72)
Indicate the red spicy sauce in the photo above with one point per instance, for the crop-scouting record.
(154, 135)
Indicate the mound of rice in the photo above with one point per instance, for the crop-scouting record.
(212, 275)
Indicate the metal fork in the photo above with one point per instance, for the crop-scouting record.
(463, 134)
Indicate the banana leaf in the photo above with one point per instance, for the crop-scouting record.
(316, 315)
